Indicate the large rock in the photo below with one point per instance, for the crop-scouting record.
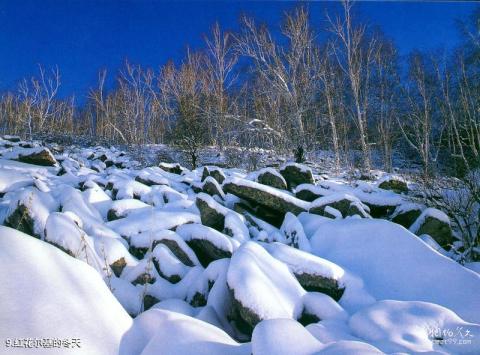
(394, 183)
(207, 243)
(407, 214)
(312, 272)
(271, 177)
(309, 192)
(212, 214)
(266, 196)
(296, 174)
(29, 211)
(37, 156)
(262, 288)
(173, 168)
(436, 224)
(346, 204)
(217, 174)
(211, 187)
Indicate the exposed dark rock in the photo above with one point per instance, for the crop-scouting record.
(307, 318)
(205, 173)
(118, 266)
(41, 157)
(342, 205)
(173, 278)
(438, 230)
(281, 202)
(176, 250)
(407, 218)
(206, 251)
(139, 253)
(244, 318)
(144, 278)
(307, 195)
(20, 219)
(13, 139)
(149, 301)
(380, 211)
(198, 300)
(268, 178)
(172, 168)
(210, 216)
(212, 188)
(317, 283)
(394, 184)
(295, 174)
(218, 175)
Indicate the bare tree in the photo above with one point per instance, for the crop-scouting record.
(355, 55)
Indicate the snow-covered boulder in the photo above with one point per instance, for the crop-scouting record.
(394, 183)
(309, 192)
(262, 288)
(122, 208)
(28, 211)
(270, 197)
(56, 296)
(296, 174)
(436, 224)
(167, 264)
(11, 138)
(346, 204)
(151, 176)
(293, 232)
(312, 272)
(271, 177)
(212, 213)
(173, 168)
(208, 243)
(151, 220)
(406, 214)
(211, 187)
(36, 156)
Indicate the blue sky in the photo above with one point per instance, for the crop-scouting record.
(82, 36)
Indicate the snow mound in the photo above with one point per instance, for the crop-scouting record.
(263, 286)
(56, 297)
(395, 264)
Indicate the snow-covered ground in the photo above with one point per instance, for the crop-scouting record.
(101, 254)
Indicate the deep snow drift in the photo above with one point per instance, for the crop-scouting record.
(112, 258)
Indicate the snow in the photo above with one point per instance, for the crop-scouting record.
(257, 279)
(198, 231)
(283, 337)
(168, 263)
(294, 234)
(270, 190)
(39, 205)
(192, 336)
(13, 180)
(401, 326)
(152, 219)
(393, 287)
(300, 262)
(395, 264)
(56, 297)
(429, 212)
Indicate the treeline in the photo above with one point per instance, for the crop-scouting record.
(343, 89)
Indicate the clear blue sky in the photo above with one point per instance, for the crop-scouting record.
(82, 36)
